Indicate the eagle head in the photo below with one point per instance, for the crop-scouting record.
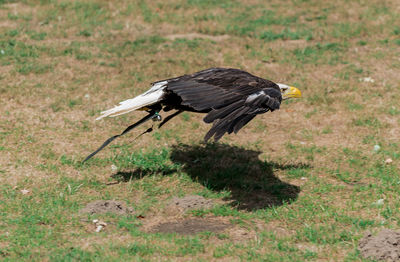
(289, 91)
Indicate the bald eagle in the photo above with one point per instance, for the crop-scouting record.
(229, 97)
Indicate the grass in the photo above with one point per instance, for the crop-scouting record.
(298, 184)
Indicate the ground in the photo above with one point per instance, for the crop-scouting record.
(302, 183)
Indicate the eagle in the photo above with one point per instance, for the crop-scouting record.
(229, 97)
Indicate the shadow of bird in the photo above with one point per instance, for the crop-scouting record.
(250, 181)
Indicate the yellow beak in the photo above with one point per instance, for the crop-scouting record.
(291, 92)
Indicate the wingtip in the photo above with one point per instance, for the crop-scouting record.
(106, 113)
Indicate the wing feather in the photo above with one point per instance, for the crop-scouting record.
(240, 122)
(223, 112)
(219, 85)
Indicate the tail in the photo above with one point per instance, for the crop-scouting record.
(152, 96)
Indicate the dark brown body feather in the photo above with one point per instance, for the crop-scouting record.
(230, 97)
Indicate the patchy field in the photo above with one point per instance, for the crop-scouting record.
(303, 183)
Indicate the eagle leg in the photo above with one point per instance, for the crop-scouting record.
(153, 114)
(158, 118)
(169, 118)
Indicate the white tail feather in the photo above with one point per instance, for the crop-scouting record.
(150, 97)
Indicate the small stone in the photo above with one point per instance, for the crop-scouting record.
(388, 161)
(367, 79)
(380, 202)
(25, 191)
(101, 223)
(99, 228)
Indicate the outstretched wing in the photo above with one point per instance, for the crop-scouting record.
(231, 97)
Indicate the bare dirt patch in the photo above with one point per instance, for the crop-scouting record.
(384, 246)
(107, 206)
(186, 203)
(191, 226)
